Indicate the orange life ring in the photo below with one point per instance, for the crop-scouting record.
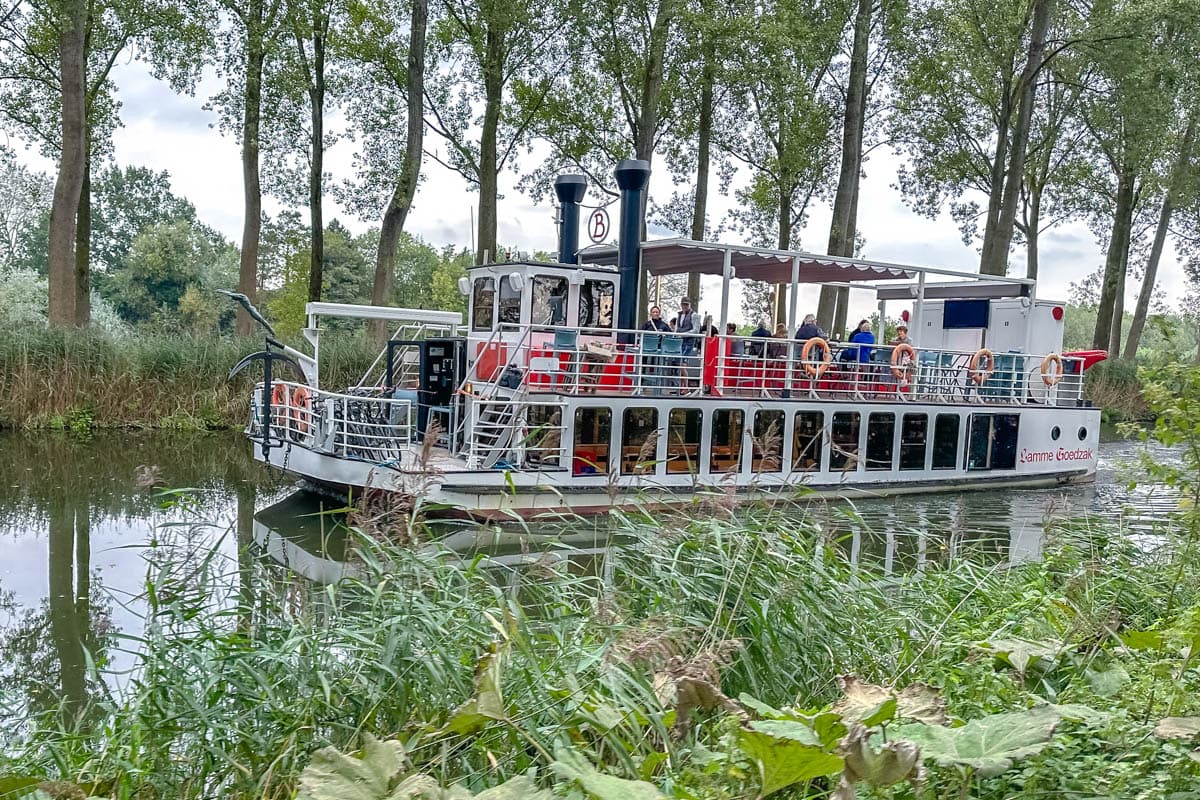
(980, 374)
(280, 395)
(301, 408)
(900, 371)
(816, 369)
(1047, 378)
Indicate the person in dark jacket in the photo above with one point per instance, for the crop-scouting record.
(754, 348)
(809, 329)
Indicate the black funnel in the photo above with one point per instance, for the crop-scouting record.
(570, 190)
(632, 177)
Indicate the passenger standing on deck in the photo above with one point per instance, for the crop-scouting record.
(686, 322)
(862, 337)
(901, 336)
(652, 365)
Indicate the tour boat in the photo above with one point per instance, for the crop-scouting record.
(551, 398)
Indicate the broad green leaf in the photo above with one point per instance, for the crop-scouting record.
(989, 745)
(518, 788)
(10, 785)
(1142, 640)
(487, 704)
(759, 707)
(1178, 728)
(572, 766)
(783, 762)
(333, 775)
(787, 729)
(1021, 654)
(1106, 683)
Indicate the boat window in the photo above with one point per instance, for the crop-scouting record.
(725, 450)
(807, 441)
(881, 437)
(683, 440)
(843, 441)
(543, 435)
(549, 300)
(639, 441)
(510, 303)
(992, 441)
(913, 435)
(483, 304)
(768, 441)
(945, 442)
(596, 304)
(593, 432)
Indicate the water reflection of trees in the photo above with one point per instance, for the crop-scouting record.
(44, 652)
(63, 485)
(105, 468)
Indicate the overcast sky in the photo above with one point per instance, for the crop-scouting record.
(166, 131)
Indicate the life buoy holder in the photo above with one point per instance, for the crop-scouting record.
(301, 409)
(1052, 378)
(816, 369)
(901, 369)
(980, 374)
(280, 397)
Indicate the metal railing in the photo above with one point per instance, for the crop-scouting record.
(365, 427)
(513, 432)
(590, 361)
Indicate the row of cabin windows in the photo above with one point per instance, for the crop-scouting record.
(640, 432)
(548, 302)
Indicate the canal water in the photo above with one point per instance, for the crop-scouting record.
(83, 522)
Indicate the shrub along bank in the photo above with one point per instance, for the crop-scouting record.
(714, 656)
(81, 380)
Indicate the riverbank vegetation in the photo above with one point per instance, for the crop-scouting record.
(83, 380)
(711, 655)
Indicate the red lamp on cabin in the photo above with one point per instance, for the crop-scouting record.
(1057, 313)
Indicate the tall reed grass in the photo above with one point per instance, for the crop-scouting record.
(85, 379)
(242, 672)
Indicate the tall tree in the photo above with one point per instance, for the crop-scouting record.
(787, 140)
(258, 24)
(72, 162)
(499, 56)
(392, 95)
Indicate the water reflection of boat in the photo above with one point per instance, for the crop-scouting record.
(305, 533)
(300, 533)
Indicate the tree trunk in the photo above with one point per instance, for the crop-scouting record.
(316, 95)
(844, 225)
(489, 168)
(1178, 174)
(83, 249)
(65, 630)
(997, 253)
(996, 180)
(1032, 228)
(410, 170)
(703, 158)
(1114, 261)
(1118, 314)
(71, 164)
(785, 243)
(251, 190)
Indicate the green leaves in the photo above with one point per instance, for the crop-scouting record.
(989, 745)
(375, 774)
(571, 766)
(785, 756)
(487, 704)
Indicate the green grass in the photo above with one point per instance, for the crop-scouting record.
(82, 380)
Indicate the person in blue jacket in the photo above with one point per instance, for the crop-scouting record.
(862, 337)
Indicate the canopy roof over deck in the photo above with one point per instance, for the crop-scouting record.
(675, 256)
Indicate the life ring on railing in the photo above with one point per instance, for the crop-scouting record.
(300, 407)
(280, 395)
(1048, 378)
(902, 370)
(816, 369)
(980, 374)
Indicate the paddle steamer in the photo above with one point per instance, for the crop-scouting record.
(551, 398)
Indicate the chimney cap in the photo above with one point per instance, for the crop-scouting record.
(570, 188)
(632, 174)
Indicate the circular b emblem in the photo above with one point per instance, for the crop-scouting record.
(598, 225)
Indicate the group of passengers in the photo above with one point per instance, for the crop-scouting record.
(859, 347)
